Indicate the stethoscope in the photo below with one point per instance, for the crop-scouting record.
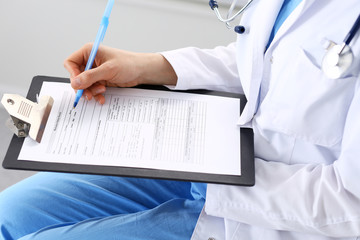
(338, 57)
(238, 29)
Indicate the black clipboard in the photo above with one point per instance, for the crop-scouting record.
(247, 177)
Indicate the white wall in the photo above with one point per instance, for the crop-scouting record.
(37, 35)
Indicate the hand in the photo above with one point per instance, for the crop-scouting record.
(116, 68)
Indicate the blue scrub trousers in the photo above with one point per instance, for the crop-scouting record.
(75, 206)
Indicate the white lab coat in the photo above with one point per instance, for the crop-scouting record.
(306, 126)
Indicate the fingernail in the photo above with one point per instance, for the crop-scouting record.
(98, 91)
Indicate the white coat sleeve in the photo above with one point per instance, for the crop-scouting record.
(310, 198)
(213, 69)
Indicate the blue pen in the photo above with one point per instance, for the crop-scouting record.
(99, 38)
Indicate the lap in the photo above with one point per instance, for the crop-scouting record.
(174, 219)
(57, 198)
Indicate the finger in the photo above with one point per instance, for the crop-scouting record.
(87, 94)
(72, 68)
(97, 89)
(100, 99)
(90, 77)
(75, 63)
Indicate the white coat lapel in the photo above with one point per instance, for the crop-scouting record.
(260, 22)
(291, 19)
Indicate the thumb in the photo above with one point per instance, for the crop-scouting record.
(88, 78)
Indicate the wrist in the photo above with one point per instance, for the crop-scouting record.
(156, 70)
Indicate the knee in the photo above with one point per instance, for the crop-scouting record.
(19, 210)
(10, 214)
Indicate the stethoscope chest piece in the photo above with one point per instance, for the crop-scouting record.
(337, 61)
(339, 58)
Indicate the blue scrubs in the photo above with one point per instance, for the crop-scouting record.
(74, 206)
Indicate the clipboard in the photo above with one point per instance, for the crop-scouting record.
(247, 177)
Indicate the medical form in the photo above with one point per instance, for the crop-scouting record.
(140, 128)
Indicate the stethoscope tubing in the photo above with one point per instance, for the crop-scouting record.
(214, 6)
(336, 62)
(339, 58)
(354, 29)
(348, 38)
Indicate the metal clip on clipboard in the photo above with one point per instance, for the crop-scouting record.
(27, 118)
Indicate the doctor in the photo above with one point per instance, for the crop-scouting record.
(306, 129)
